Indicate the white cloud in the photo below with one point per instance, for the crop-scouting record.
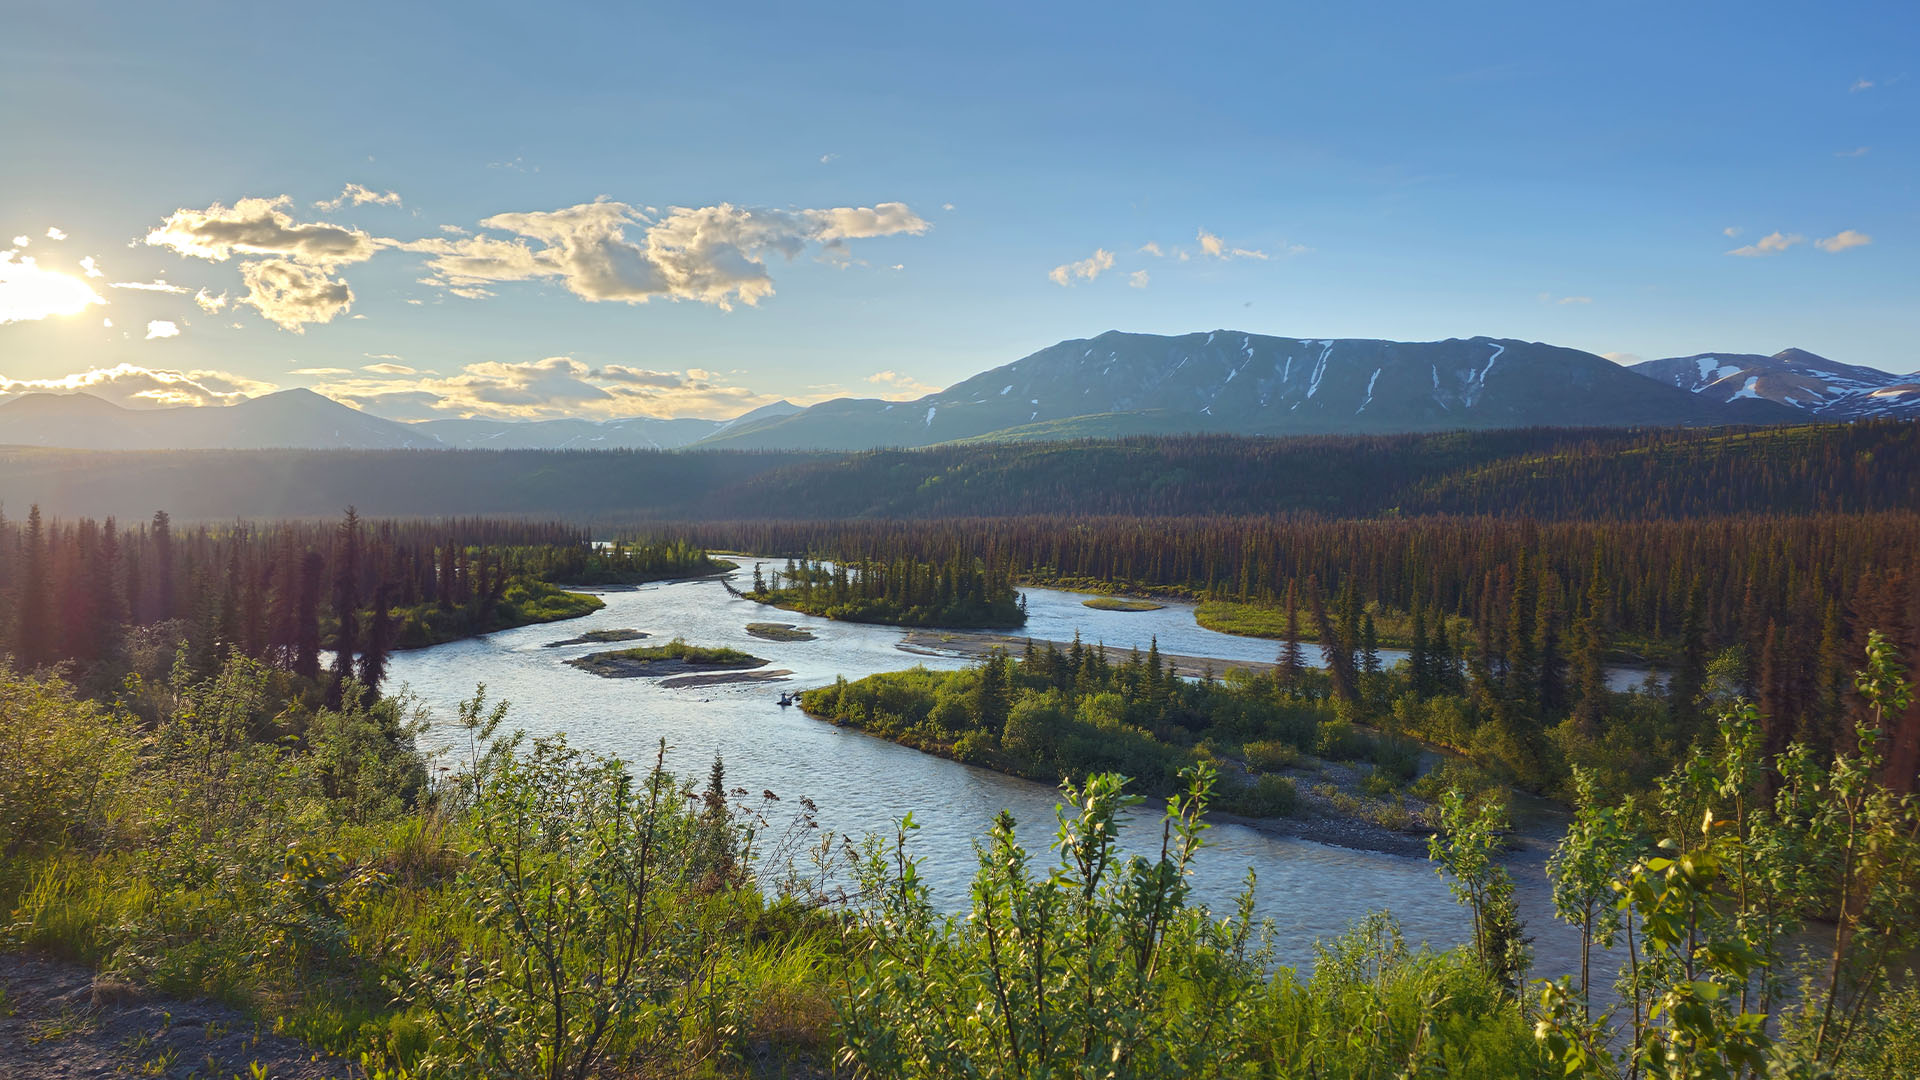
(291, 295)
(828, 158)
(1731, 231)
(108, 323)
(55, 234)
(1859, 85)
(1546, 298)
(1858, 151)
(946, 206)
(1086, 269)
(383, 356)
(208, 302)
(712, 254)
(147, 286)
(321, 371)
(89, 268)
(1219, 249)
(1771, 244)
(557, 386)
(389, 369)
(359, 196)
(28, 293)
(260, 227)
(1152, 249)
(138, 387)
(1138, 279)
(898, 387)
(161, 328)
(1841, 241)
(22, 241)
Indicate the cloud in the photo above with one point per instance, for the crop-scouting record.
(321, 371)
(1138, 279)
(1550, 298)
(1859, 85)
(1841, 241)
(138, 387)
(389, 369)
(260, 227)
(359, 196)
(1624, 359)
(898, 387)
(1731, 231)
(714, 254)
(1219, 249)
(383, 356)
(1858, 151)
(28, 293)
(161, 328)
(89, 268)
(1086, 269)
(1770, 244)
(828, 158)
(55, 234)
(557, 386)
(1152, 249)
(208, 302)
(147, 286)
(291, 295)
(946, 206)
(22, 241)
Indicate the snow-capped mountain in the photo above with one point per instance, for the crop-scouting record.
(1792, 377)
(1229, 381)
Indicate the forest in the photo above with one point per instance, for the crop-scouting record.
(958, 593)
(106, 600)
(1544, 473)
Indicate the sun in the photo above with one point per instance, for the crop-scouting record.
(27, 292)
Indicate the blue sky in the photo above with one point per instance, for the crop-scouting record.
(880, 199)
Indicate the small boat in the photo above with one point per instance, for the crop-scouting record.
(786, 700)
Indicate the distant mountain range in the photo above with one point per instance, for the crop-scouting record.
(1112, 385)
(302, 419)
(1793, 377)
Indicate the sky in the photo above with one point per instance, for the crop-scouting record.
(602, 210)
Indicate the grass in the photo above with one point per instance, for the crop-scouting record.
(774, 631)
(1121, 603)
(678, 650)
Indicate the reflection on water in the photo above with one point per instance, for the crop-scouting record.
(863, 784)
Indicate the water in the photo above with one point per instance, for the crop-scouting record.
(863, 784)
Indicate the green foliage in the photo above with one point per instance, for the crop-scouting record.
(898, 591)
(62, 761)
(1099, 966)
(1121, 603)
(1464, 851)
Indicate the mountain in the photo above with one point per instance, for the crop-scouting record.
(1792, 377)
(302, 419)
(1227, 381)
(290, 418)
(637, 433)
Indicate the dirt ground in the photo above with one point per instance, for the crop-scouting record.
(60, 1021)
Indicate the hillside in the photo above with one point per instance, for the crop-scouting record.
(1542, 472)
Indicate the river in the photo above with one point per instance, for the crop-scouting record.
(862, 784)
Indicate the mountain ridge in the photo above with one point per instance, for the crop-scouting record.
(1114, 384)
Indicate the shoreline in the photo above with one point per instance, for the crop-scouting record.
(976, 644)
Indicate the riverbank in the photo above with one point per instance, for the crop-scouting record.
(976, 645)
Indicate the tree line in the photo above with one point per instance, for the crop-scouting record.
(1545, 473)
(298, 595)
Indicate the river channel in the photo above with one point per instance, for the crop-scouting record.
(862, 784)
